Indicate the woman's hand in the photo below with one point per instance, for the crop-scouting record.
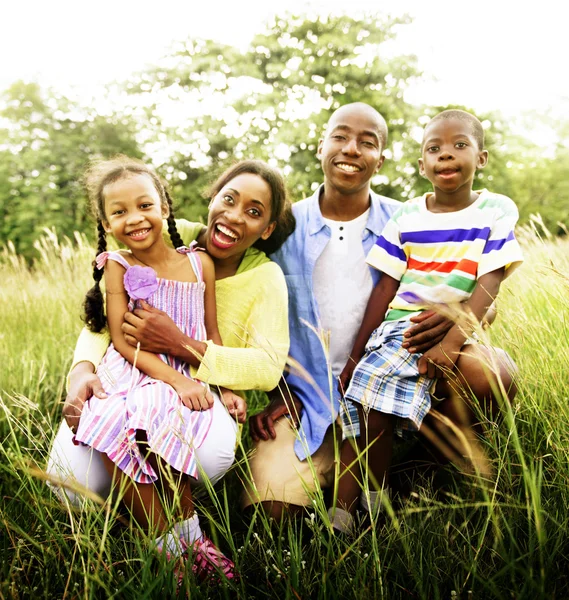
(193, 395)
(83, 383)
(261, 425)
(236, 406)
(153, 328)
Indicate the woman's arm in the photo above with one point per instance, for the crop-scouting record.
(191, 393)
(259, 362)
(157, 333)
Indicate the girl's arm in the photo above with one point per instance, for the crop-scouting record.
(210, 308)
(378, 303)
(192, 394)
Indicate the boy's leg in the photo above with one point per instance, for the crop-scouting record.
(350, 480)
(479, 378)
(377, 444)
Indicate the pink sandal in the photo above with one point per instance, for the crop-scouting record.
(209, 561)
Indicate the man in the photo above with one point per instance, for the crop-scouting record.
(329, 285)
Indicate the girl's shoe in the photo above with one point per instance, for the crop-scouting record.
(210, 562)
(179, 563)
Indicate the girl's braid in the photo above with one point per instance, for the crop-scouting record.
(94, 313)
(172, 230)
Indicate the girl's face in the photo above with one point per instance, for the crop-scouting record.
(134, 211)
(239, 215)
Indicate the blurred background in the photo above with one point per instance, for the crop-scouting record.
(191, 88)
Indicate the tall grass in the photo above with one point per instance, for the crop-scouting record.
(507, 538)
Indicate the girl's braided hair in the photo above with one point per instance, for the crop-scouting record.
(100, 174)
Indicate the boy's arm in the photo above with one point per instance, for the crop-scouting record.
(378, 303)
(192, 394)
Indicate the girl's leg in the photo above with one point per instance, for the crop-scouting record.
(142, 499)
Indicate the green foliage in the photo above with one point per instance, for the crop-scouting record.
(273, 100)
(44, 149)
(208, 104)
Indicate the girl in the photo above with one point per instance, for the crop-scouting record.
(156, 417)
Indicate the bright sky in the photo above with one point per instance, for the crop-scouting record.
(489, 54)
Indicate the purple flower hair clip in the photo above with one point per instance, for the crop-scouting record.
(140, 282)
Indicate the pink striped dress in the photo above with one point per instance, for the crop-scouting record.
(136, 402)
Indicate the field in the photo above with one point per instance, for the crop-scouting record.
(503, 538)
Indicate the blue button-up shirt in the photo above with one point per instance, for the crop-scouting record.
(309, 376)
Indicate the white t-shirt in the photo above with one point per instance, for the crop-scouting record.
(342, 285)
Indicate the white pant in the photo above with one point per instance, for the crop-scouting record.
(83, 465)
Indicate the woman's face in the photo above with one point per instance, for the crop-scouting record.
(239, 215)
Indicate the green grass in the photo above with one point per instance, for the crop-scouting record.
(508, 538)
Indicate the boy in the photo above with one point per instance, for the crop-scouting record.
(452, 246)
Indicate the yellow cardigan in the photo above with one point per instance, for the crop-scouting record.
(252, 314)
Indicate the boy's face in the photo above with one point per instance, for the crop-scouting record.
(450, 155)
(351, 150)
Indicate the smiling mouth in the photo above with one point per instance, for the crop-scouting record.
(348, 168)
(139, 233)
(224, 236)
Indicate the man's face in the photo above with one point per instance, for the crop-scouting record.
(351, 150)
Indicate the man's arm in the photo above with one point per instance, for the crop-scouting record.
(442, 357)
(281, 402)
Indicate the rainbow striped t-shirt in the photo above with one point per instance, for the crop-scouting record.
(437, 257)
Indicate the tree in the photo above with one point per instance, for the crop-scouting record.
(45, 145)
(272, 101)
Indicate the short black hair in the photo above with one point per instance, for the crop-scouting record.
(462, 115)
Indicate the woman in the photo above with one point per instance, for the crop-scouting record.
(249, 214)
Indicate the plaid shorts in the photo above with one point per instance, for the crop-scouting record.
(387, 380)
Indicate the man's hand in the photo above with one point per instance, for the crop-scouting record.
(236, 406)
(153, 328)
(83, 383)
(439, 361)
(261, 425)
(430, 329)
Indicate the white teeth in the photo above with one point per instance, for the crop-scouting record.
(226, 231)
(139, 233)
(348, 168)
